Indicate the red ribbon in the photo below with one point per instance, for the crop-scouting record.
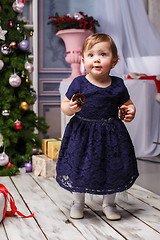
(156, 81)
(146, 77)
(10, 198)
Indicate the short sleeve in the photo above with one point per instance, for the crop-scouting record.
(73, 88)
(124, 94)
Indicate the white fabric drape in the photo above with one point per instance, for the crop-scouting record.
(127, 22)
(145, 128)
(153, 12)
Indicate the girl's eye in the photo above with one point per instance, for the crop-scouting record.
(90, 55)
(103, 54)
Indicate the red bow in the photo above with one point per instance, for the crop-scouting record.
(10, 198)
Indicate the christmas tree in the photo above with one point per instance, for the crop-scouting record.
(19, 125)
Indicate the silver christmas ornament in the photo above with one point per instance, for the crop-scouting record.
(15, 80)
(29, 67)
(18, 6)
(1, 64)
(5, 112)
(19, 28)
(69, 15)
(35, 151)
(5, 49)
(4, 159)
(78, 16)
(35, 96)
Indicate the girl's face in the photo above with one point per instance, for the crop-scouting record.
(98, 60)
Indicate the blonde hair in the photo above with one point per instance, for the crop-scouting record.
(97, 38)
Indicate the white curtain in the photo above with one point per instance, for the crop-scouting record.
(153, 7)
(138, 42)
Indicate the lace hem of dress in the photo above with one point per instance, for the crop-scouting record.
(66, 183)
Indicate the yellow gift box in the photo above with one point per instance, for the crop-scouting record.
(45, 145)
(51, 147)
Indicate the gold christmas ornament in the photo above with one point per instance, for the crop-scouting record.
(23, 74)
(27, 79)
(24, 105)
(13, 45)
(31, 33)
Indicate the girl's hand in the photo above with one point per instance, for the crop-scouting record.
(69, 107)
(130, 113)
(74, 106)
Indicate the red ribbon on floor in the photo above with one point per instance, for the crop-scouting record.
(10, 199)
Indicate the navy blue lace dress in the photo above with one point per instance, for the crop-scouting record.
(97, 155)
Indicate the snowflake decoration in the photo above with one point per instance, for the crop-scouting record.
(1, 140)
(2, 33)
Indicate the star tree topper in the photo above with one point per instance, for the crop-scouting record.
(2, 33)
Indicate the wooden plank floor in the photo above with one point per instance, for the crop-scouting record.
(51, 205)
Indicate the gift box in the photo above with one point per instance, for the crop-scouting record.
(2, 204)
(43, 166)
(51, 147)
(6, 199)
(45, 145)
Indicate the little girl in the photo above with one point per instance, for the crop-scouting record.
(97, 155)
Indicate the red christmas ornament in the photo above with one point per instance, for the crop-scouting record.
(23, 1)
(11, 23)
(9, 165)
(18, 125)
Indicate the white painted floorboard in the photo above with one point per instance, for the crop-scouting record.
(2, 233)
(51, 206)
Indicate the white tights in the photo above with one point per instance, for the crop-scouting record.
(109, 198)
(79, 198)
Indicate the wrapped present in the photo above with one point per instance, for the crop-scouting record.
(134, 76)
(43, 166)
(143, 76)
(6, 199)
(46, 143)
(2, 205)
(53, 149)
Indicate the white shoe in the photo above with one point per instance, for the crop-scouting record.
(111, 213)
(77, 213)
